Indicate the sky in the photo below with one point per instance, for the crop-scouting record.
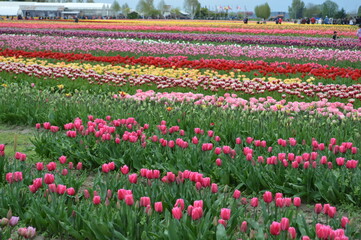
(276, 5)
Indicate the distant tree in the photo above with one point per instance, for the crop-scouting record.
(88, 1)
(146, 7)
(359, 11)
(329, 8)
(115, 7)
(312, 10)
(296, 9)
(133, 15)
(191, 7)
(161, 7)
(125, 9)
(203, 13)
(263, 11)
(175, 13)
(341, 13)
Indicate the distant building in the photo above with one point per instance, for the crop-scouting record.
(40, 9)
(283, 15)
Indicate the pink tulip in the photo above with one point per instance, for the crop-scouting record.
(197, 213)
(124, 169)
(236, 194)
(219, 162)
(133, 178)
(79, 166)
(60, 189)
(275, 228)
(49, 178)
(344, 222)
(214, 188)
(96, 200)
(297, 202)
(244, 227)
(254, 202)
(105, 168)
(285, 224)
(70, 191)
(129, 199)
(177, 213)
(39, 166)
(144, 201)
(292, 232)
(318, 208)
(225, 213)
(158, 206)
(267, 197)
(179, 203)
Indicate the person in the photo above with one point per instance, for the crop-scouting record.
(280, 20)
(313, 20)
(245, 20)
(334, 37)
(359, 33)
(76, 19)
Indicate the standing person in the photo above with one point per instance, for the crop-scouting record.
(359, 33)
(280, 20)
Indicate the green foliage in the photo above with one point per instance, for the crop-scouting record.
(191, 7)
(263, 11)
(115, 7)
(296, 9)
(312, 10)
(329, 8)
(146, 8)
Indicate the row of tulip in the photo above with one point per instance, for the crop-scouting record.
(254, 87)
(260, 67)
(145, 70)
(200, 23)
(245, 161)
(146, 47)
(145, 205)
(343, 43)
(154, 28)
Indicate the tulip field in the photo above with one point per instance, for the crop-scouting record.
(180, 129)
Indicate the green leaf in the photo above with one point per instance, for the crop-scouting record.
(221, 232)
